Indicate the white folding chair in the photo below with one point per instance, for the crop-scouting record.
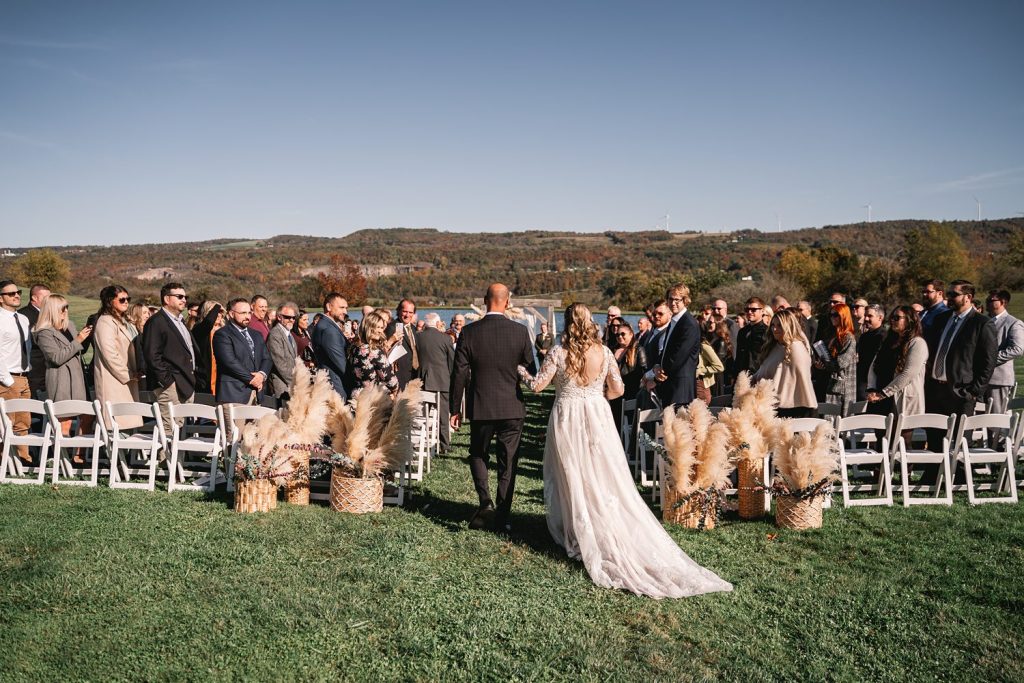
(831, 412)
(147, 440)
(210, 446)
(972, 456)
(12, 470)
(865, 455)
(626, 418)
(62, 465)
(425, 438)
(651, 416)
(907, 456)
(235, 416)
(657, 490)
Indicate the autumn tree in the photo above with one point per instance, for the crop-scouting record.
(42, 266)
(934, 252)
(343, 275)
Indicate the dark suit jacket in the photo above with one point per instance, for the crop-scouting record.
(810, 328)
(37, 367)
(972, 354)
(167, 357)
(403, 366)
(680, 363)
(748, 347)
(867, 348)
(485, 369)
(437, 357)
(329, 348)
(235, 364)
(651, 349)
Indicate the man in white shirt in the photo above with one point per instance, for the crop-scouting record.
(15, 347)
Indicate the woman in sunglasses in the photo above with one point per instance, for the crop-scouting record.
(115, 372)
(896, 376)
(839, 378)
(632, 362)
(61, 346)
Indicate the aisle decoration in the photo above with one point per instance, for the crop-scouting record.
(806, 466)
(372, 438)
(697, 466)
(751, 424)
(275, 449)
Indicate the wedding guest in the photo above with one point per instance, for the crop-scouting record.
(868, 343)
(242, 358)
(609, 329)
(114, 366)
(720, 339)
(60, 345)
(720, 311)
(896, 376)
(676, 372)
(15, 350)
(858, 311)
(211, 319)
(302, 342)
(779, 303)
(408, 365)
(283, 350)
(458, 322)
(740, 321)
(37, 371)
(1010, 334)
(137, 316)
(932, 303)
(545, 340)
(643, 329)
(193, 316)
(437, 357)
(169, 350)
(632, 361)
(260, 322)
(786, 358)
(810, 323)
(661, 317)
(839, 369)
(330, 343)
(421, 325)
(751, 337)
(371, 366)
(708, 365)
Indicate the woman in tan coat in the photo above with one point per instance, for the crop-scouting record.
(115, 372)
(786, 358)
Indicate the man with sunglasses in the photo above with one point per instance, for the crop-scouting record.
(932, 303)
(751, 338)
(283, 350)
(962, 348)
(1010, 334)
(15, 348)
(169, 350)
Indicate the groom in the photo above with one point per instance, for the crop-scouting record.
(486, 359)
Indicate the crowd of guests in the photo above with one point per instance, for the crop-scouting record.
(942, 354)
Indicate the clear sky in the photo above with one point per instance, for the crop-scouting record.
(164, 121)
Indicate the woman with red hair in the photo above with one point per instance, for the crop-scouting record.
(841, 363)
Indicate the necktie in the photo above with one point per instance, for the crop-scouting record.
(252, 345)
(24, 347)
(940, 356)
(412, 345)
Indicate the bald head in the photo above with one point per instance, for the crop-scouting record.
(496, 298)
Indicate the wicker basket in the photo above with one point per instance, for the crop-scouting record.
(297, 492)
(255, 495)
(356, 495)
(687, 515)
(751, 475)
(793, 513)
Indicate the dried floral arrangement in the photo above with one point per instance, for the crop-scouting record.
(372, 434)
(697, 461)
(751, 422)
(806, 464)
(277, 446)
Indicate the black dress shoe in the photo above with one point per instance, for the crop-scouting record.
(483, 517)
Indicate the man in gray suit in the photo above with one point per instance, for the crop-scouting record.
(1010, 336)
(436, 355)
(283, 351)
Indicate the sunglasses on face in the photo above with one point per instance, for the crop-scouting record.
(753, 310)
(124, 300)
(953, 295)
(992, 301)
(282, 316)
(622, 335)
(833, 315)
(859, 306)
(179, 297)
(16, 292)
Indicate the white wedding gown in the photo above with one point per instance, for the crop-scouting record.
(593, 508)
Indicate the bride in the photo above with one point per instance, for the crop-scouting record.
(593, 508)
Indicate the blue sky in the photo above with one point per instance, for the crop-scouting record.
(130, 122)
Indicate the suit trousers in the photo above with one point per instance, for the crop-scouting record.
(506, 434)
(999, 398)
(940, 399)
(444, 435)
(22, 421)
(165, 396)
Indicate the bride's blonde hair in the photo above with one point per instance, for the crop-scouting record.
(580, 334)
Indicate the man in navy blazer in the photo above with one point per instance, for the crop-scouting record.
(329, 342)
(676, 373)
(243, 363)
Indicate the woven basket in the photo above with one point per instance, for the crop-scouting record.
(297, 492)
(792, 513)
(751, 502)
(687, 515)
(256, 495)
(356, 495)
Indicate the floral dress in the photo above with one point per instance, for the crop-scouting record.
(371, 367)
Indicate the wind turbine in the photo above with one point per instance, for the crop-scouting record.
(978, 202)
(778, 222)
(868, 207)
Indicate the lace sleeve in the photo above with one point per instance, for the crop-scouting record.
(614, 377)
(546, 374)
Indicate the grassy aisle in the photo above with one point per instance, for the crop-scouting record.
(101, 584)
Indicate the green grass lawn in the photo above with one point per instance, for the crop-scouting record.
(108, 585)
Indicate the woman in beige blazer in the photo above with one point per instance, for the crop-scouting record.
(786, 358)
(114, 369)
